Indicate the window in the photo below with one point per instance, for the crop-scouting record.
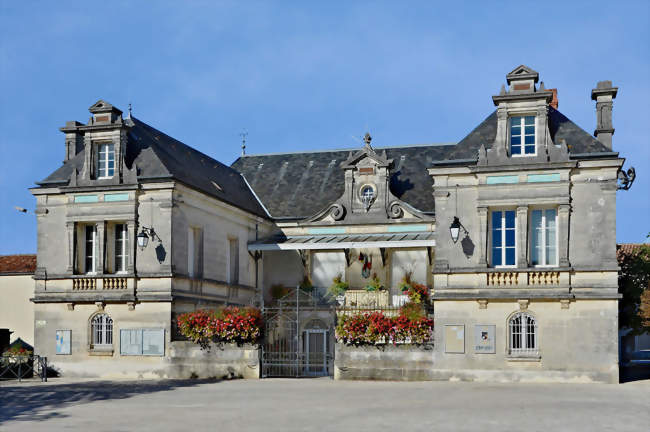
(543, 237)
(195, 252)
(503, 238)
(121, 247)
(90, 252)
(233, 271)
(101, 330)
(522, 136)
(523, 335)
(105, 161)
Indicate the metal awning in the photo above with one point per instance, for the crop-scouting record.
(345, 241)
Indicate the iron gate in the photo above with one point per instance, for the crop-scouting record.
(297, 337)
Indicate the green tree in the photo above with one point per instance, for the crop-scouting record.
(634, 285)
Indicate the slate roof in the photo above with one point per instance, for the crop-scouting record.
(18, 264)
(298, 185)
(159, 156)
(560, 127)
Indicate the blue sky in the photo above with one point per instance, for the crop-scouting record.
(306, 76)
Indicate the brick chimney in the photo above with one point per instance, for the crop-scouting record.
(604, 95)
(554, 102)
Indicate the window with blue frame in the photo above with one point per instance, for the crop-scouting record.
(503, 233)
(522, 136)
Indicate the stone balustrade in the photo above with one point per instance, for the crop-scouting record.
(84, 284)
(367, 298)
(95, 284)
(521, 279)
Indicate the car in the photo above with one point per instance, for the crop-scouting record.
(638, 358)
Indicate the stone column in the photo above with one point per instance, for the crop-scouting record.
(563, 234)
(100, 246)
(483, 227)
(132, 246)
(522, 236)
(70, 228)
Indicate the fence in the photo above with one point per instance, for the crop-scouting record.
(23, 366)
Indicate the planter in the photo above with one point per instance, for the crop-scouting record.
(387, 362)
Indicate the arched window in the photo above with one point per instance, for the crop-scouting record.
(523, 334)
(101, 328)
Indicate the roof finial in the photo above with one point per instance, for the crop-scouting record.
(130, 109)
(367, 139)
(243, 136)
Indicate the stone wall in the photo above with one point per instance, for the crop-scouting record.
(16, 311)
(187, 360)
(388, 363)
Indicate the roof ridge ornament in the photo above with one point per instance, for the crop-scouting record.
(367, 139)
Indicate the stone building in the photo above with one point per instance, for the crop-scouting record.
(513, 228)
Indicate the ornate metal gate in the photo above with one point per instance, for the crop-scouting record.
(298, 329)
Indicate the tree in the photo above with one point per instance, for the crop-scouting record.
(634, 285)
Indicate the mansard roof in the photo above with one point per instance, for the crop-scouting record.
(159, 156)
(299, 185)
(562, 130)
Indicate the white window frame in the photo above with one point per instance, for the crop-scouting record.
(543, 257)
(522, 116)
(528, 341)
(101, 331)
(92, 270)
(124, 252)
(503, 237)
(103, 163)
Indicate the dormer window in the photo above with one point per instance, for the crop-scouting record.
(522, 136)
(105, 161)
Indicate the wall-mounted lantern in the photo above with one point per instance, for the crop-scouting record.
(144, 236)
(454, 229)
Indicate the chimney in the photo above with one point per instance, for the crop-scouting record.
(604, 95)
(554, 102)
(74, 139)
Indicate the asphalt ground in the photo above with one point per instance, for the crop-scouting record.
(321, 405)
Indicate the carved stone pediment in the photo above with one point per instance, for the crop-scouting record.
(367, 197)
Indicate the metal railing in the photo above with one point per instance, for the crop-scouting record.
(23, 366)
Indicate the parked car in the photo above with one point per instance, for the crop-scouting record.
(638, 358)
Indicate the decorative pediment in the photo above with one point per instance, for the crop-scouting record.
(367, 197)
(522, 72)
(101, 106)
(366, 154)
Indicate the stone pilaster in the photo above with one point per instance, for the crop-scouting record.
(483, 229)
(100, 247)
(563, 212)
(132, 245)
(70, 229)
(522, 236)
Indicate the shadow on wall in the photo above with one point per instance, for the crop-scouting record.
(25, 402)
(468, 246)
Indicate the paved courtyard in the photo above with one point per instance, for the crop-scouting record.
(321, 405)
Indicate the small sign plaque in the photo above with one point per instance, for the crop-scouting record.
(484, 339)
(63, 342)
(455, 339)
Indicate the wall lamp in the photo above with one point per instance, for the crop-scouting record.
(145, 234)
(454, 229)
